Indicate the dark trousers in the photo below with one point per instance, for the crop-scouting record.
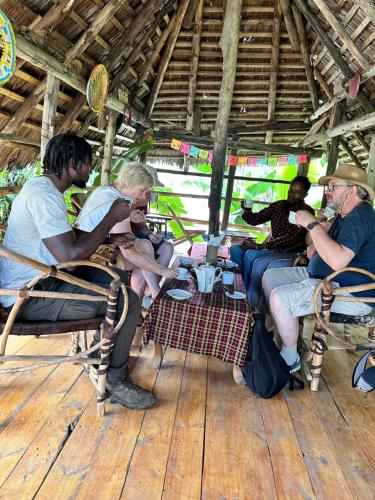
(39, 309)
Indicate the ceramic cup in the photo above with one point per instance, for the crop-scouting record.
(292, 217)
(248, 203)
(182, 273)
(329, 212)
(227, 277)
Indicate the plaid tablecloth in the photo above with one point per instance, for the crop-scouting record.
(207, 323)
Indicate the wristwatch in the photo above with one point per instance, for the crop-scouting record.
(312, 224)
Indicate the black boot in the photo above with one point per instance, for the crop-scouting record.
(125, 391)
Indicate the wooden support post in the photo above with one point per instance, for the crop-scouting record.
(371, 164)
(340, 30)
(166, 56)
(194, 66)
(305, 51)
(229, 193)
(289, 22)
(274, 70)
(57, 12)
(51, 98)
(191, 13)
(74, 108)
(108, 147)
(334, 52)
(229, 47)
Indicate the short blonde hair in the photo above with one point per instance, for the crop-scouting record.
(135, 174)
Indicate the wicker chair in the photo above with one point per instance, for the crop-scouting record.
(324, 318)
(97, 367)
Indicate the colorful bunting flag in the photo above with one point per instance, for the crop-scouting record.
(262, 160)
(210, 156)
(203, 154)
(194, 151)
(302, 159)
(176, 144)
(272, 161)
(252, 161)
(292, 160)
(185, 148)
(242, 160)
(282, 160)
(232, 160)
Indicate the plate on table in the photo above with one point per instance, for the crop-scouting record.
(179, 294)
(235, 295)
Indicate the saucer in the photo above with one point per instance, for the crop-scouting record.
(227, 264)
(179, 294)
(235, 295)
(183, 279)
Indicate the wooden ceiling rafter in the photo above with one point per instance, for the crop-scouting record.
(274, 68)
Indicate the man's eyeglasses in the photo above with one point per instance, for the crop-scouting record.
(332, 187)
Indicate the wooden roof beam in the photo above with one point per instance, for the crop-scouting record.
(334, 52)
(94, 28)
(194, 62)
(40, 59)
(305, 51)
(56, 13)
(121, 74)
(362, 123)
(289, 22)
(137, 25)
(368, 8)
(179, 16)
(340, 30)
(273, 70)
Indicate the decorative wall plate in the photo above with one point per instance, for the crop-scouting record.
(97, 88)
(8, 49)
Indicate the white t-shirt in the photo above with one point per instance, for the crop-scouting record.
(39, 211)
(97, 206)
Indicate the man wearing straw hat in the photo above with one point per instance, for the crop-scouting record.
(350, 241)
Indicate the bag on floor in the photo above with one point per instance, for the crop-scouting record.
(265, 371)
(364, 378)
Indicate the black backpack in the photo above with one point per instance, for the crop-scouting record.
(265, 371)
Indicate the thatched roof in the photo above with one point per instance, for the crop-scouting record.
(134, 39)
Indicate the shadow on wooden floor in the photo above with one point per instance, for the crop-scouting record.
(205, 437)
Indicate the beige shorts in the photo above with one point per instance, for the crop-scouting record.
(296, 291)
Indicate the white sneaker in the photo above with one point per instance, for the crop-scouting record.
(296, 366)
(146, 302)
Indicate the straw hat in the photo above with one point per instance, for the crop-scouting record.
(351, 174)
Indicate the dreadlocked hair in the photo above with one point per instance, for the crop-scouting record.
(303, 180)
(66, 150)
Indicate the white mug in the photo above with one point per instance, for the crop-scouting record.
(248, 203)
(228, 278)
(182, 273)
(292, 217)
(329, 212)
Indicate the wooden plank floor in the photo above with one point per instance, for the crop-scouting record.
(205, 438)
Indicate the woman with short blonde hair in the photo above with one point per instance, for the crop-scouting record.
(149, 257)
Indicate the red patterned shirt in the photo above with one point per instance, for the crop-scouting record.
(285, 236)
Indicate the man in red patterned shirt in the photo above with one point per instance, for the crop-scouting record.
(286, 239)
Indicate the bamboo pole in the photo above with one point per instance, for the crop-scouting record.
(371, 163)
(51, 98)
(108, 147)
(194, 64)
(229, 47)
(340, 30)
(273, 70)
(166, 56)
(229, 193)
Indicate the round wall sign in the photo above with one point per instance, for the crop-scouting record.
(8, 49)
(97, 88)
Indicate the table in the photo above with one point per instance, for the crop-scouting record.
(211, 324)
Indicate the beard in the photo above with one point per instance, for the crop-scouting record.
(80, 183)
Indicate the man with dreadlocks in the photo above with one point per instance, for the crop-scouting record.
(38, 227)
